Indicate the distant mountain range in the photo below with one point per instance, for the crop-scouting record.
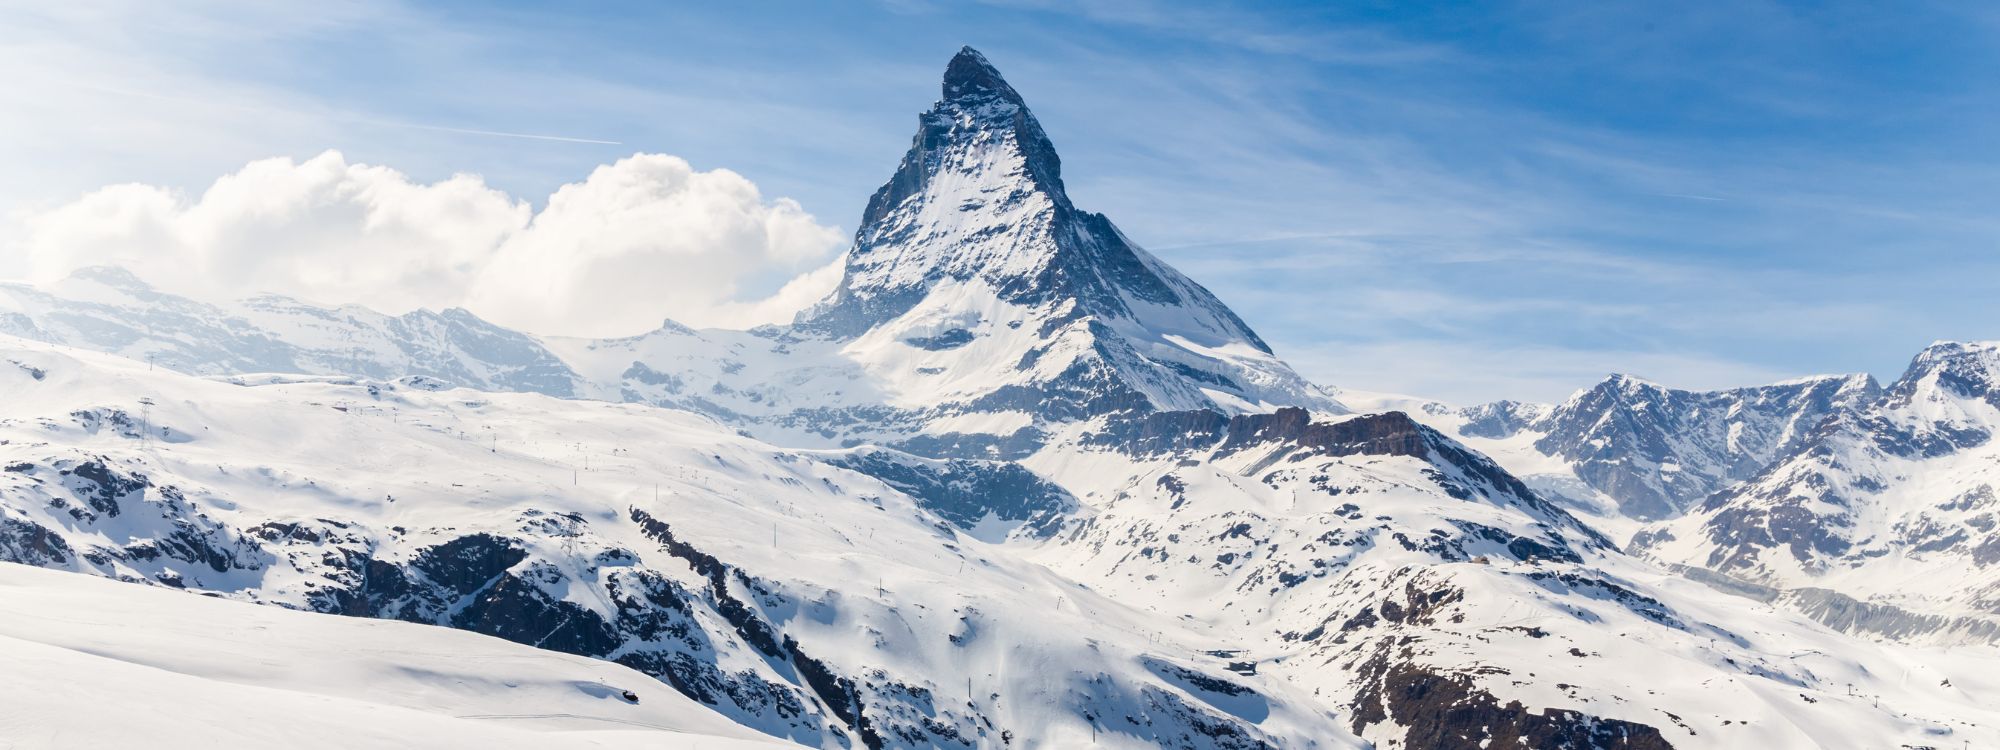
(1017, 482)
(1883, 520)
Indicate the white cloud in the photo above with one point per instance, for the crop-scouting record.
(798, 294)
(638, 241)
(647, 235)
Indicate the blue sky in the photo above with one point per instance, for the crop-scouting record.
(1465, 201)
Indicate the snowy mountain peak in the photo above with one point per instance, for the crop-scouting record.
(979, 197)
(973, 255)
(1968, 370)
(1627, 382)
(970, 76)
(979, 193)
(1660, 450)
(1943, 350)
(1624, 386)
(978, 310)
(1881, 521)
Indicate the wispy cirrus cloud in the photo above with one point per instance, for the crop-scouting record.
(1494, 177)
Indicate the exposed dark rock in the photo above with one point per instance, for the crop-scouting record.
(516, 609)
(1741, 532)
(1500, 419)
(30, 543)
(966, 492)
(837, 693)
(639, 372)
(951, 339)
(101, 487)
(1658, 451)
(1447, 711)
(469, 563)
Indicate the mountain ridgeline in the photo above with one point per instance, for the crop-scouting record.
(1018, 483)
(1658, 450)
(980, 198)
(974, 254)
(1885, 521)
(978, 309)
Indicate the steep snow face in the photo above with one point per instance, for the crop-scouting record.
(1023, 460)
(1886, 521)
(1440, 604)
(1627, 451)
(1181, 579)
(973, 260)
(1631, 449)
(979, 311)
(97, 663)
(1660, 450)
(801, 599)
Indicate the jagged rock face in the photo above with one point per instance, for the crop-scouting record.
(806, 601)
(973, 255)
(978, 309)
(988, 500)
(1659, 451)
(1501, 419)
(1223, 581)
(1412, 582)
(1148, 528)
(980, 196)
(1893, 507)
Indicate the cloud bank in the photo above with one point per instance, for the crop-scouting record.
(638, 241)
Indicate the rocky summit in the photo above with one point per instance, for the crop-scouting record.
(1015, 483)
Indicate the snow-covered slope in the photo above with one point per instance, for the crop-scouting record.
(979, 309)
(803, 600)
(1886, 521)
(110, 310)
(973, 260)
(96, 663)
(1016, 484)
(1438, 602)
(1629, 450)
(1186, 580)
(1659, 450)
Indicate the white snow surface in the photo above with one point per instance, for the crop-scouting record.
(974, 288)
(861, 577)
(1238, 560)
(93, 663)
(1251, 547)
(1267, 564)
(1896, 505)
